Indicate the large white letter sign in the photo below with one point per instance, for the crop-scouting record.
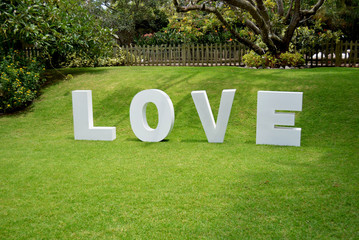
(83, 119)
(267, 118)
(214, 132)
(166, 115)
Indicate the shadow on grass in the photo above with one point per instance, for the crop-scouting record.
(138, 140)
(55, 76)
(194, 141)
(116, 106)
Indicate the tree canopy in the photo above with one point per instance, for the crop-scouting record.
(342, 15)
(130, 18)
(58, 28)
(271, 24)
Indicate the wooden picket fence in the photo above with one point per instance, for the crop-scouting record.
(185, 55)
(344, 54)
(340, 54)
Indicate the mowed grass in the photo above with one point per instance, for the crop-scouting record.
(53, 187)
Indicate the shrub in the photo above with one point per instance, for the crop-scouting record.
(77, 60)
(270, 61)
(252, 59)
(20, 81)
(291, 59)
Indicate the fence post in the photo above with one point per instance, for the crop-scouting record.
(338, 53)
(138, 56)
(127, 55)
(332, 53)
(169, 55)
(183, 53)
(198, 57)
(160, 53)
(231, 53)
(242, 52)
(135, 51)
(225, 54)
(220, 54)
(147, 56)
(193, 54)
(215, 54)
(356, 49)
(239, 54)
(346, 57)
(201, 54)
(130, 55)
(317, 58)
(351, 58)
(326, 52)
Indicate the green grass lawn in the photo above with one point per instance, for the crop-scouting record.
(53, 187)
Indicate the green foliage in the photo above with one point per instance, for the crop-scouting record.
(263, 26)
(342, 15)
(77, 61)
(270, 60)
(20, 81)
(310, 38)
(129, 18)
(58, 28)
(291, 59)
(252, 59)
(119, 59)
(190, 29)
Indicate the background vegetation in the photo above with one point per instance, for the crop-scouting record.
(20, 81)
(60, 29)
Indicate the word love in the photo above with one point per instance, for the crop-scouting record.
(270, 122)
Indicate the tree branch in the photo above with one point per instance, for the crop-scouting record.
(252, 26)
(305, 19)
(289, 11)
(314, 10)
(263, 11)
(260, 15)
(109, 7)
(280, 7)
(259, 21)
(296, 17)
(213, 10)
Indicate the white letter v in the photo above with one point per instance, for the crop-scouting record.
(214, 132)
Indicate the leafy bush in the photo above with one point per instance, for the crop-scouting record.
(77, 60)
(306, 39)
(20, 81)
(252, 59)
(271, 61)
(291, 59)
(191, 29)
(58, 28)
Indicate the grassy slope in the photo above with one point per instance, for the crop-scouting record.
(54, 187)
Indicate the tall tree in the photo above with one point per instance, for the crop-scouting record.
(342, 15)
(273, 22)
(134, 17)
(58, 28)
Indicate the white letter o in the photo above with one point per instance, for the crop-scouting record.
(166, 115)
